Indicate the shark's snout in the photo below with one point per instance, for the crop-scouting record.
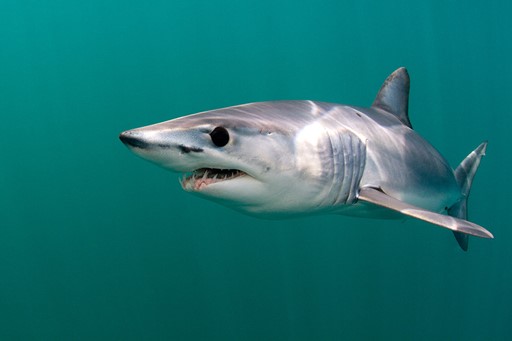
(133, 139)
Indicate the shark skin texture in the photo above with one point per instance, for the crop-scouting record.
(289, 158)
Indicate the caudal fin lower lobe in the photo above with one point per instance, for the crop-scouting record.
(464, 175)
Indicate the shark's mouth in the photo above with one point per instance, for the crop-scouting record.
(203, 177)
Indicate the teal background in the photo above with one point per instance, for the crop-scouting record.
(98, 244)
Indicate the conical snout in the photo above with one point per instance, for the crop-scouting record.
(133, 139)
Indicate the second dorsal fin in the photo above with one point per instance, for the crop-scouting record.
(393, 96)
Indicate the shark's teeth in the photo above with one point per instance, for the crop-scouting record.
(203, 177)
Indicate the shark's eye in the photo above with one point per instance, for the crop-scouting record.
(220, 136)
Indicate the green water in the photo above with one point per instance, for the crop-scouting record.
(96, 244)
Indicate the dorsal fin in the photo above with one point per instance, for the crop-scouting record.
(393, 96)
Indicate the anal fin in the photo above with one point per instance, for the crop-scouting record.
(379, 198)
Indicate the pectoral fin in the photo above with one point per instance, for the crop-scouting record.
(379, 198)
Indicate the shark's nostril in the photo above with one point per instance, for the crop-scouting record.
(128, 139)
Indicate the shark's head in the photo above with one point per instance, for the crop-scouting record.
(243, 156)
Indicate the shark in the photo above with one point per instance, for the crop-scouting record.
(281, 159)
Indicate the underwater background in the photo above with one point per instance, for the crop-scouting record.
(97, 244)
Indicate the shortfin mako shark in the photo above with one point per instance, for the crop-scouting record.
(288, 158)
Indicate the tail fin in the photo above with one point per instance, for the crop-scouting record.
(464, 175)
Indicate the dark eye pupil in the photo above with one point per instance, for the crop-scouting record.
(220, 136)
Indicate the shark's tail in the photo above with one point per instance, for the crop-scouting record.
(464, 175)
